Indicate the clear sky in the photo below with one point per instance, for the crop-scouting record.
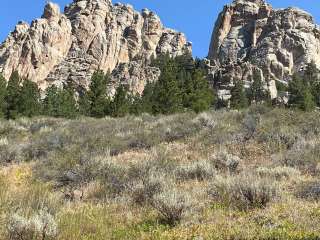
(193, 17)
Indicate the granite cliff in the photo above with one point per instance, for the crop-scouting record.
(251, 39)
(90, 35)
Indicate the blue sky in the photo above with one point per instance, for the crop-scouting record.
(194, 18)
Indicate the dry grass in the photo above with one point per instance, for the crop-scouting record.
(217, 175)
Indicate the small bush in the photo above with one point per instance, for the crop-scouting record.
(243, 192)
(145, 189)
(224, 161)
(205, 120)
(310, 190)
(278, 173)
(199, 170)
(171, 204)
(41, 226)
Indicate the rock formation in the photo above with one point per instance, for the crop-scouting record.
(90, 35)
(251, 39)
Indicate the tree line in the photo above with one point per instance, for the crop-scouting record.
(303, 92)
(182, 86)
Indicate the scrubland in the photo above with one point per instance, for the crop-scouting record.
(251, 174)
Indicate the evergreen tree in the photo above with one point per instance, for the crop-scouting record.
(84, 104)
(147, 98)
(311, 73)
(311, 76)
(29, 99)
(239, 98)
(136, 107)
(3, 93)
(316, 92)
(51, 102)
(308, 103)
(67, 103)
(300, 94)
(12, 96)
(167, 93)
(198, 95)
(121, 102)
(97, 95)
(257, 93)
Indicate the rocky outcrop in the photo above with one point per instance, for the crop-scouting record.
(251, 39)
(90, 35)
(35, 50)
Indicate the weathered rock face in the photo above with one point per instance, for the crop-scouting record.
(90, 35)
(35, 50)
(251, 39)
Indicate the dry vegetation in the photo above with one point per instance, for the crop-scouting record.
(218, 175)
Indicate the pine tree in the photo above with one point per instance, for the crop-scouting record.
(316, 92)
(167, 93)
(239, 98)
(97, 95)
(51, 102)
(311, 73)
(84, 104)
(198, 96)
(121, 103)
(311, 76)
(147, 98)
(12, 96)
(29, 99)
(257, 93)
(3, 93)
(135, 107)
(300, 94)
(308, 103)
(60, 102)
(67, 103)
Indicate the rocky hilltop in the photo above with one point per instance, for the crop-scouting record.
(89, 35)
(251, 39)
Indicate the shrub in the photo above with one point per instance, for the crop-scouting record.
(199, 170)
(243, 192)
(310, 190)
(205, 120)
(224, 161)
(146, 188)
(171, 204)
(303, 155)
(41, 226)
(278, 172)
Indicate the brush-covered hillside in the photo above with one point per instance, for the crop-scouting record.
(249, 174)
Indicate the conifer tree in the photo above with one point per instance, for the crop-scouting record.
(167, 93)
(51, 102)
(257, 93)
(67, 103)
(84, 104)
(239, 98)
(136, 107)
(12, 96)
(121, 102)
(198, 95)
(147, 98)
(311, 76)
(300, 94)
(97, 95)
(29, 99)
(3, 93)
(311, 73)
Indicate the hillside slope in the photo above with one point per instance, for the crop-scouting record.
(252, 174)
